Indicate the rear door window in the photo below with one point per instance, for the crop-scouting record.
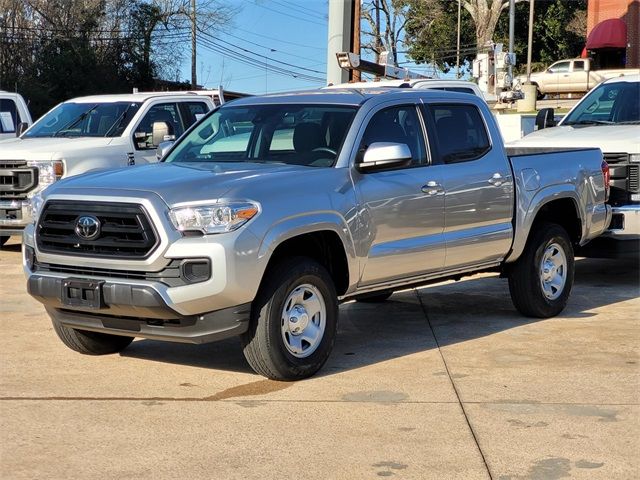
(459, 132)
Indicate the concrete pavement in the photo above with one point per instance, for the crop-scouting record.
(443, 382)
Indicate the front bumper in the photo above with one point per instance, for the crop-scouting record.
(14, 216)
(625, 223)
(138, 311)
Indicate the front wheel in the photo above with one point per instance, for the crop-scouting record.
(540, 281)
(293, 321)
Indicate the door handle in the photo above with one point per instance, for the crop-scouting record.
(432, 188)
(496, 180)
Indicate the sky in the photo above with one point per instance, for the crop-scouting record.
(283, 35)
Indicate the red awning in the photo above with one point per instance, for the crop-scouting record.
(610, 33)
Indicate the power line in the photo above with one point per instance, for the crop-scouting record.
(282, 41)
(287, 14)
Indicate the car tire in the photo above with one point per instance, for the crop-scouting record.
(540, 281)
(4, 240)
(293, 321)
(90, 343)
(376, 298)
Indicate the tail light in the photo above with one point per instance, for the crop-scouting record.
(607, 179)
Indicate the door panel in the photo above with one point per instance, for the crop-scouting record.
(406, 224)
(477, 182)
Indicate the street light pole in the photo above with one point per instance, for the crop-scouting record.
(512, 23)
(530, 41)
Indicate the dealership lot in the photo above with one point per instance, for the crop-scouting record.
(444, 382)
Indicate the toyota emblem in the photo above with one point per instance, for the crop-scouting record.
(88, 227)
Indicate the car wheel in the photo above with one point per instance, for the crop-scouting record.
(540, 281)
(90, 343)
(293, 321)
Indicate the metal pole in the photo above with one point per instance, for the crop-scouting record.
(378, 42)
(530, 42)
(512, 24)
(355, 74)
(458, 44)
(194, 82)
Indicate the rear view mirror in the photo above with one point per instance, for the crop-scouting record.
(160, 133)
(22, 127)
(163, 148)
(545, 118)
(382, 155)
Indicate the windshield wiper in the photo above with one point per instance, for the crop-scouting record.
(591, 122)
(74, 122)
(119, 120)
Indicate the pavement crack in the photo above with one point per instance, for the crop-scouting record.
(453, 384)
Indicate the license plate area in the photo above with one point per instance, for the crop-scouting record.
(82, 293)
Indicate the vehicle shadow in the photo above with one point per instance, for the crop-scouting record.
(456, 311)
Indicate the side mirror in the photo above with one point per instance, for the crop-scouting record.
(22, 127)
(160, 133)
(382, 155)
(545, 118)
(163, 148)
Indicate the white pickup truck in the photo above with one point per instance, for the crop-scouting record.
(88, 133)
(607, 118)
(571, 76)
(14, 115)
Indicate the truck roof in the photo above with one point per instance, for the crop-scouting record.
(624, 78)
(346, 96)
(131, 97)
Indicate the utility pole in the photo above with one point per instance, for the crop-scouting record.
(512, 24)
(530, 41)
(194, 82)
(378, 42)
(355, 41)
(458, 43)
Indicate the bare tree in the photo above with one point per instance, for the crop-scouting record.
(386, 21)
(485, 15)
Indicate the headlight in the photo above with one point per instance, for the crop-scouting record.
(35, 204)
(634, 157)
(48, 172)
(214, 218)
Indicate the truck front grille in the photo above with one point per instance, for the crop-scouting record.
(125, 230)
(624, 177)
(16, 178)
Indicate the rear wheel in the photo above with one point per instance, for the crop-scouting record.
(293, 321)
(541, 279)
(4, 240)
(90, 343)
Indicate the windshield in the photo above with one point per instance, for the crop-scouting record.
(309, 135)
(608, 104)
(84, 120)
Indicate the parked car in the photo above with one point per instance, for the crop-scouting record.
(14, 115)
(274, 209)
(460, 86)
(88, 133)
(607, 118)
(571, 76)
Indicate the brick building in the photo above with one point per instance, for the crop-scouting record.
(607, 21)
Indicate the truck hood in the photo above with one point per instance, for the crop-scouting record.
(48, 148)
(608, 138)
(181, 183)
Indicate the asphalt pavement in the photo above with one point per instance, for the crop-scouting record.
(444, 382)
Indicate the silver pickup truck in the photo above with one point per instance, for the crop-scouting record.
(272, 210)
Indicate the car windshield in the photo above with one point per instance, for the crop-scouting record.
(309, 135)
(608, 104)
(84, 120)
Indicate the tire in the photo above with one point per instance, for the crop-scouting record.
(376, 298)
(539, 94)
(280, 342)
(90, 343)
(4, 240)
(534, 292)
